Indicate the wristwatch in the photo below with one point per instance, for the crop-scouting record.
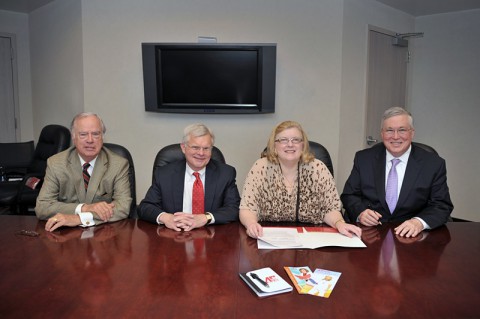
(209, 218)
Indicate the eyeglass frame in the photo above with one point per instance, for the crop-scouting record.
(401, 131)
(96, 135)
(196, 148)
(286, 140)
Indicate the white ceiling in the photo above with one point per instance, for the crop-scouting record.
(427, 7)
(413, 7)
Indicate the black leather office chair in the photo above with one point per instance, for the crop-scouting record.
(320, 153)
(16, 195)
(122, 151)
(15, 158)
(425, 147)
(172, 153)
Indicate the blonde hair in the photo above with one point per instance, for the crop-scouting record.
(271, 154)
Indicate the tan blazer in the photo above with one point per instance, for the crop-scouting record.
(63, 187)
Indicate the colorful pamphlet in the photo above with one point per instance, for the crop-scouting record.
(265, 282)
(318, 283)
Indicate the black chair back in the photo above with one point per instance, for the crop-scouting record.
(321, 153)
(172, 153)
(425, 147)
(53, 139)
(122, 151)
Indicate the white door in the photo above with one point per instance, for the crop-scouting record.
(386, 80)
(8, 128)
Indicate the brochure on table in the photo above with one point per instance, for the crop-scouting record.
(305, 237)
(319, 283)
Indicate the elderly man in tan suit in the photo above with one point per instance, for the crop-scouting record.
(86, 184)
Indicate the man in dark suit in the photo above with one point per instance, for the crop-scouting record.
(420, 189)
(173, 199)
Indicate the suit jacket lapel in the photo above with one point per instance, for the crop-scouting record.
(75, 169)
(379, 169)
(210, 185)
(99, 170)
(178, 180)
(411, 174)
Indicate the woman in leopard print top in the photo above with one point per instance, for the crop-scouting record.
(289, 184)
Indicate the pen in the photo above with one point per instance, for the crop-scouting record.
(370, 207)
(255, 276)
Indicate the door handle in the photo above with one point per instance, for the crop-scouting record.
(371, 140)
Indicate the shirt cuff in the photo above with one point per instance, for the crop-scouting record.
(425, 225)
(85, 218)
(158, 218)
(213, 218)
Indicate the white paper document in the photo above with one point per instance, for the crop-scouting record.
(305, 237)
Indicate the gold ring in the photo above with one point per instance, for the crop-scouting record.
(55, 220)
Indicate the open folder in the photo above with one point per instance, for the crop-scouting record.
(305, 237)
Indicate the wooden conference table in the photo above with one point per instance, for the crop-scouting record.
(132, 269)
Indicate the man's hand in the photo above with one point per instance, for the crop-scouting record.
(60, 220)
(183, 221)
(409, 228)
(369, 217)
(103, 210)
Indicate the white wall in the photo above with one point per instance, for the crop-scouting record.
(445, 100)
(57, 63)
(358, 15)
(308, 37)
(17, 25)
(86, 55)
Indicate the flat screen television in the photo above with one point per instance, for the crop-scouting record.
(209, 77)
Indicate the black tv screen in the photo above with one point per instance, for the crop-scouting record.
(209, 78)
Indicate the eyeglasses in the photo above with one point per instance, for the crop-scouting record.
(285, 140)
(198, 148)
(400, 131)
(95, 135)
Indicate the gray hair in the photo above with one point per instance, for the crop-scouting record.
(197, 130)
(394, 111)
(82, 115)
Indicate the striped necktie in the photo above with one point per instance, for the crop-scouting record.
(86, 176)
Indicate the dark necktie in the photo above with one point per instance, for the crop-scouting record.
(86, 176)
(197, 195)
(391, 192)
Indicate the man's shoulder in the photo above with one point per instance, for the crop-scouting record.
(61, 157)
(171, 167)
(371, 151)
(214, 164)
(421, 154)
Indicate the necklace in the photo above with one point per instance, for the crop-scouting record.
(288, 183)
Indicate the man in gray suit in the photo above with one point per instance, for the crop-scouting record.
(86, 184)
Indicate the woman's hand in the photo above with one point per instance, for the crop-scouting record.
(348, 229)
(254, 230)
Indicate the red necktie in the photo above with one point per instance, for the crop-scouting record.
(197, 195)
(86, 176)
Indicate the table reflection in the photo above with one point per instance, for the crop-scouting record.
(393, 266)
